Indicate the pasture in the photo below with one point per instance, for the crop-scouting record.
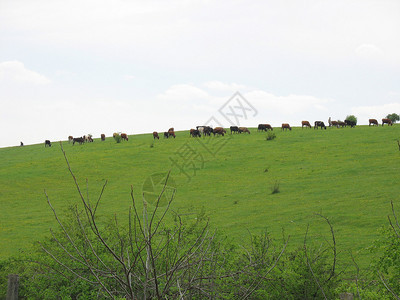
(349, 175)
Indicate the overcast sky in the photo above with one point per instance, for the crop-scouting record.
(79, 67)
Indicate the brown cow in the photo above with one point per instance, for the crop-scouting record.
(387, 121)
(124, 136)
(286, 126)
(264, 127)
(335, 123)
(341, 124)
(103, 137)
(243, 129)
(305, 123)
(219, 131)
(171, 132)
(373, 122)
(155, 135)
(70, 138)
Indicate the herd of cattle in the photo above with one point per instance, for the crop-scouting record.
(207, 130)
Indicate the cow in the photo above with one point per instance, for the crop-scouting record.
(335, 123)
(70, 138)
(155, 135)
(387, 121)
(195, 133)
(208, 130)
(79, 140)
(90, 138)
(166, 134)
(234, 129)
(341, 124)
(103, 137)
(243, 129)
(47, 143)
(264, 127)
(201, 129)
(350, 123)
(319, 124)
(373, 122)
(219, 131)
(171, 132)
(124, 136)
(286, 126)
(305, 123)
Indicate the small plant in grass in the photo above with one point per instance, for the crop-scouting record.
(118, 138)
(275, 188)
(270, 136)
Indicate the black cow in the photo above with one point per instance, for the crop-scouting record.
(47, 143)
(319, 124)
(208, 130)
(79, 140)
(234, 129)
(166, 134)
(195, 133)
(350, 123)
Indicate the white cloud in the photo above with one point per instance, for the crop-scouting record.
(183, 93)
(220, 86)
(369, 51)
(15, 71)
(363, 113)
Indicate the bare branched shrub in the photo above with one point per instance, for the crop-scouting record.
(152, 257)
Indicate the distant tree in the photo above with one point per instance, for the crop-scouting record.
(352, 118)
(393, 117)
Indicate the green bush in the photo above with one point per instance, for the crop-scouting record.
(118, 138)
(270, 136)
(352, 118)
(393, 117)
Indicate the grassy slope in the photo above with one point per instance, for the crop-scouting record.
(348, 175)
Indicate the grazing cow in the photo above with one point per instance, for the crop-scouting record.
(155, 135)
(350, 123)
(208, 130)
(335, 123)
(47, 143)
(234, 129)
(373, 122)
(166, 134)
(243, 129)
(286, 126)
(305, 123)
(103, 137)
(219, 131)
(79, 140)
(319, 124)
(124, 136)
(341, 124)
(195, 133)
(171, 132)
(201, 129)
(387, 121)
(171, 129)
(70, 138)
(264, 127)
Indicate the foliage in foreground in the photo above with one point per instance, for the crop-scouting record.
(152, 258)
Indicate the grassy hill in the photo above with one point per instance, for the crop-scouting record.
(349, 175)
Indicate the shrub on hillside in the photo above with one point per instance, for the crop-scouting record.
(393, 117)
(118, 138)
(352, 118)
(270, 136)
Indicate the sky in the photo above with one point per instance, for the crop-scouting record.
(92, 67)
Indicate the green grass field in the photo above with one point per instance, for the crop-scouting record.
(348, 175)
